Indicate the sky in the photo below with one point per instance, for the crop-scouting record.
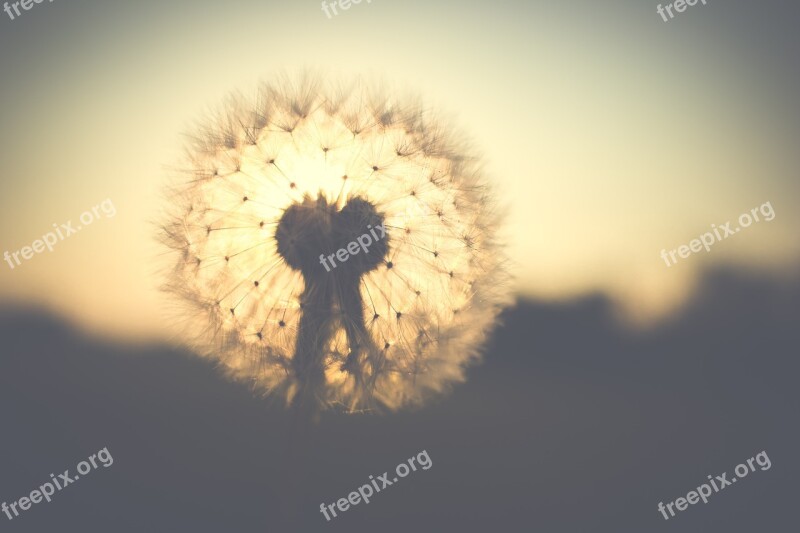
(609, 133)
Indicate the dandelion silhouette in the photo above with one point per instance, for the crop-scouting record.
(300, 172)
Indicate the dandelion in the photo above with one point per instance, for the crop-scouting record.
(294, 175)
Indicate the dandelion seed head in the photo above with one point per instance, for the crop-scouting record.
(301, 170)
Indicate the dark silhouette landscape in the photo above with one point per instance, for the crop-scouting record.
(573, 423)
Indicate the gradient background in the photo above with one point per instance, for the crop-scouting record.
(614, 384)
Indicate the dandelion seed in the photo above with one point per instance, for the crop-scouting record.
(264, 202)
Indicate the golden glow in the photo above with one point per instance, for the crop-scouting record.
(425, 304)
(608, 141)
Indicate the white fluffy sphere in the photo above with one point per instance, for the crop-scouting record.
(406, 325)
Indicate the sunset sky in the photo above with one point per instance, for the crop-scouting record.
(610, 134)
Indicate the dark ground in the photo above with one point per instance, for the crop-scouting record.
(572, 424)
